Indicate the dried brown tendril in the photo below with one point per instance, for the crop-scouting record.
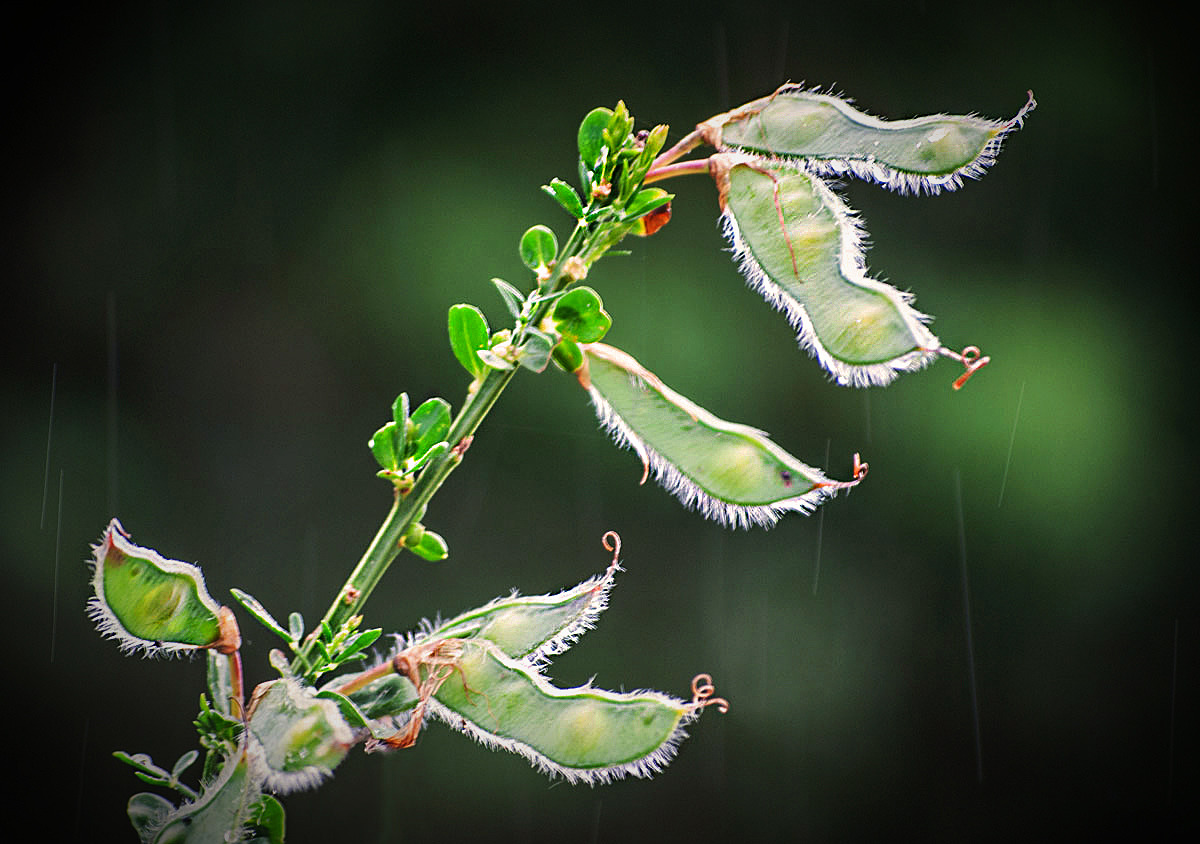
(971, 359)
(612, 542)
(702, 694)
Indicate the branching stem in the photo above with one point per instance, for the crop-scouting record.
(406, 509)
(685, 145)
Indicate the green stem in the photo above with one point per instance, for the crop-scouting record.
(406, 509)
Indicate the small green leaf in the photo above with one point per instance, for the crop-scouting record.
(434, 451)
(534, 353)
(151, 779)
(539, 248)
(260, 614)
(296, 626)
(591, 135)
(645, 201)
(619, 124)
(147, 602)
(430, 547)
(568, 355)
(732, 473)
(383, 445)
(400, 416)
(579, 315)
(656, 139)
(219, 730)
(142, 763)
(361, 641)
(430, 424)
(566, 196)
(413, 534)
(514, 299)
(468, 334)
(183, 763)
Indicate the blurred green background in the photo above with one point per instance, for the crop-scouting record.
(234, 233)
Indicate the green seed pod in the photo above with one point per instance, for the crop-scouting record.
(152, 604)
(800, 247)
(480, 672)
(228, 805)
(297, 739)
(729, 472)
(922, 155)
(581, 734)
(533, 627)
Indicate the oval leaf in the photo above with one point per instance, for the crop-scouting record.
(430, 546)
(731, 473)
(430, 424)
(645, 201)
(800, 247)
(534, 353)
(400, 413)
(262, 615)
(468, 334)
(514, 299)
(147, 602)
(539, 248)
(568, 356)
(591, 135)
(925, 154)
(386, 447)
(566, 196)
(579, 315)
